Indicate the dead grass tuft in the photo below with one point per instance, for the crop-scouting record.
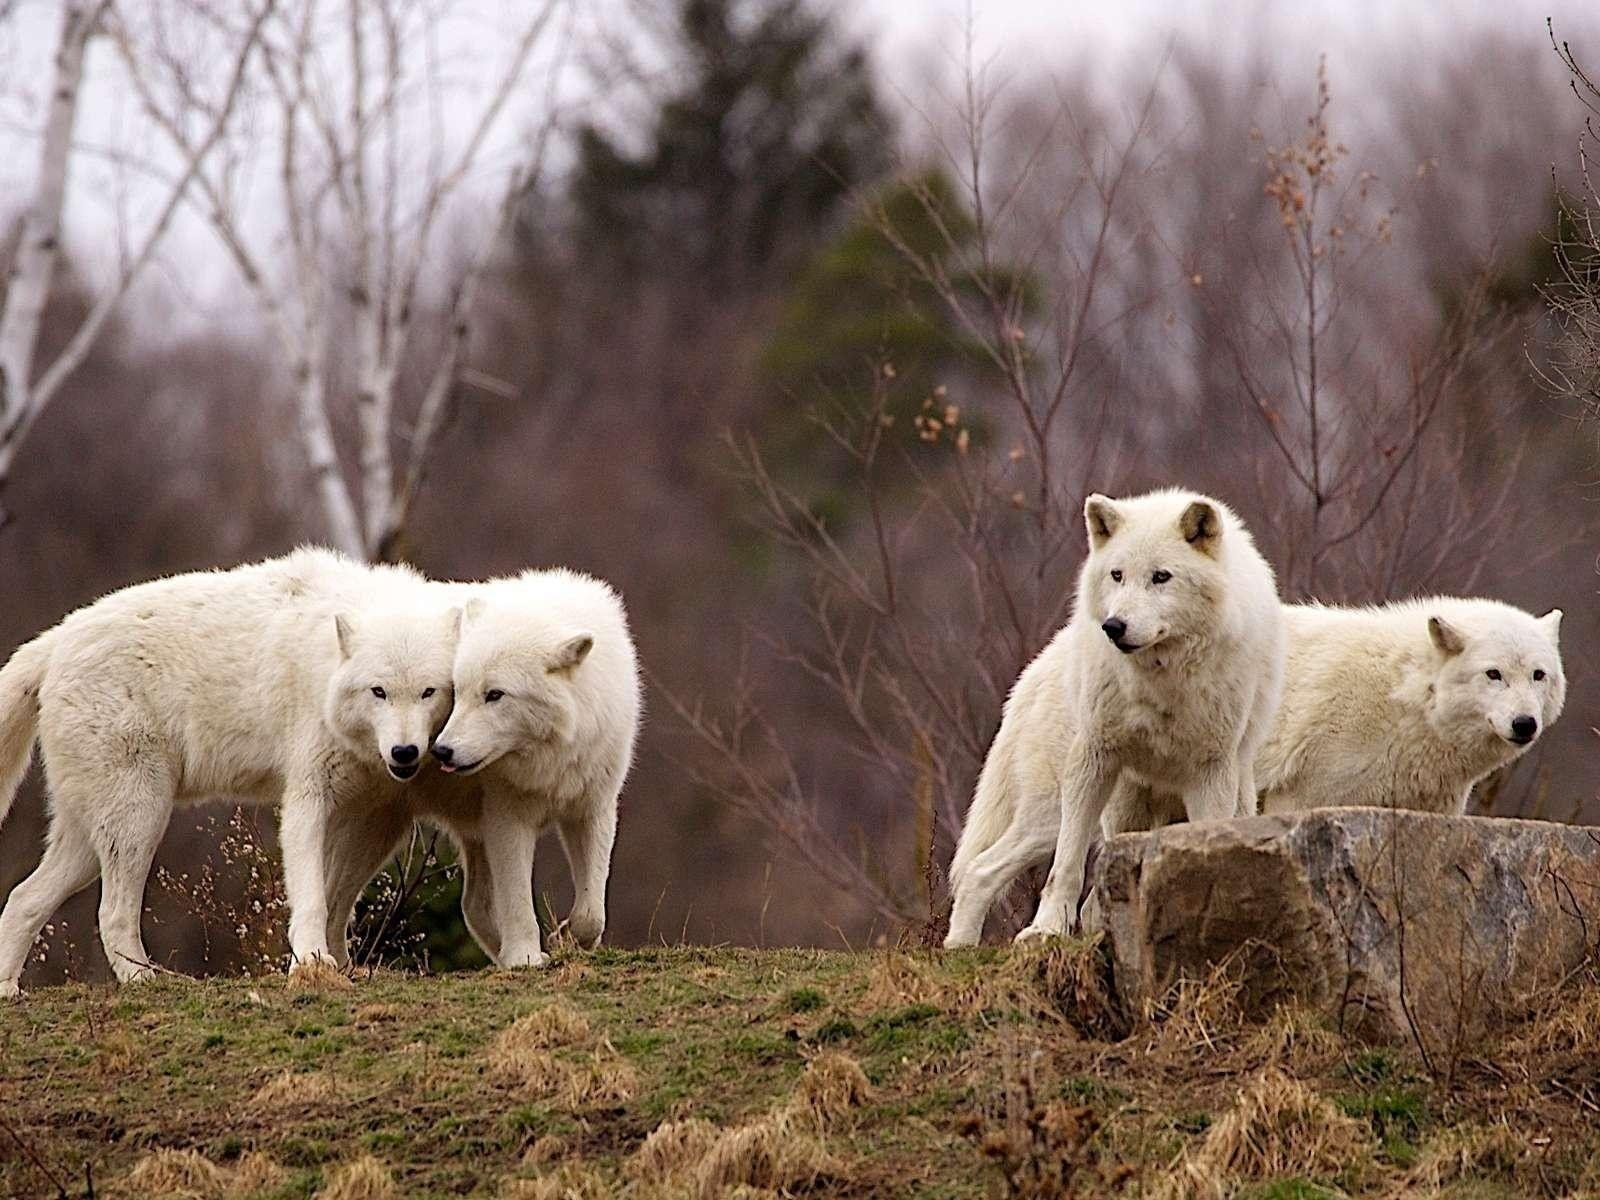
(364, 1178)
(1277, 1127)
(1295, 1039)
(377, 1014)
(295, 1091)
(778, 1152)
(1569, 1023)
(318, 975)
(256, 1172)
(523, 1056)
(1200, 1012)
(117, 1053)
(1463, 1153)
(543, 1029)
(898, 980)
(572, 1181)
(775, 1152)
(181, 1174)
(833, 1084)
(1064, 978)
(190, 1175)
(546, 1149)
(672, 1149)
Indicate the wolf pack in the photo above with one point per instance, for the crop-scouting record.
(362, 699)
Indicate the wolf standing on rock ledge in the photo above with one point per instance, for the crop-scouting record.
(1168, 673)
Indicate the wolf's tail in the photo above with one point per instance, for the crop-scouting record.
(991, 812)
(20, 680)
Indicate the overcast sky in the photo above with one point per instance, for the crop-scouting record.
(914, 40)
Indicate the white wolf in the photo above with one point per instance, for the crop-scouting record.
(1408, 705)
(547, 708)
(311, 679)
(1168, 673)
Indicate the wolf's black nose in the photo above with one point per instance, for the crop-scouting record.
(1114, 628)
(443, 753)
(1523, 728)
(403, 754)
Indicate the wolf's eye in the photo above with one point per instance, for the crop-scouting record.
(1160, 576)
(380, 693)
(1538, 676)
(1494, 674)
(492, 695)
(426, 692)
(1116, 577)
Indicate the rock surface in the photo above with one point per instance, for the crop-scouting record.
(1398, 924)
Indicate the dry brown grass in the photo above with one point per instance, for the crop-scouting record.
(543, 1029)
(780, 1152)
(1463, 1153)
(672, 1149)
(523, 1056)
(364, 1178)
(572, 1181)
(318, 975)
(181, 1174)
(190, 1175)
(1295, 1039)
(1569, 1022)
(1200, 1013)
(1278, 1126)
(899, 979)
(292, 1090)
(377, 1014)
(117, 1053)
(832, 1085)
(1065, 979)
(546, 1149)
(776, 1152)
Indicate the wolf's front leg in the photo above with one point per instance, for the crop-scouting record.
(477, 895)
(587, 841)
(508, 843)
(1218, 793)
(1087, 783)
(303, 834)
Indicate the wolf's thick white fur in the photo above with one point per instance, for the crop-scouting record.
(547, 708)
(1181, 699)
(256, 684)
(1396, 705)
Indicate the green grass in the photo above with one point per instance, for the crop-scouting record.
(99, 1077)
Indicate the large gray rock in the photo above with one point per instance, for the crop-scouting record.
(1389, 921)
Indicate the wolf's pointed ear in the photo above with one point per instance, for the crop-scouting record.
(1446, 637)
(471, 610)
(571, 652)
(1552, 625)
(344, 627)
(1201, 526)
(1101, 516)
(452, 623)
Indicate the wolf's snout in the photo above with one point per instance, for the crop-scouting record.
(1523, 729)
(1115, 628)
(443, 753)
(403, 755)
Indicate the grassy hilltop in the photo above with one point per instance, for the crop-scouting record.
(708, 1072)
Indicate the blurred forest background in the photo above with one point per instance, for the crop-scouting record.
(815, 361)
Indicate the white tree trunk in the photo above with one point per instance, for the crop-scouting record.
(33, 271)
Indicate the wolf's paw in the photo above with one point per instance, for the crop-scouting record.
(10, 990)
(1038, 933)
(316, 973)
(587, 928)
(955, 940)
(523, 960)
